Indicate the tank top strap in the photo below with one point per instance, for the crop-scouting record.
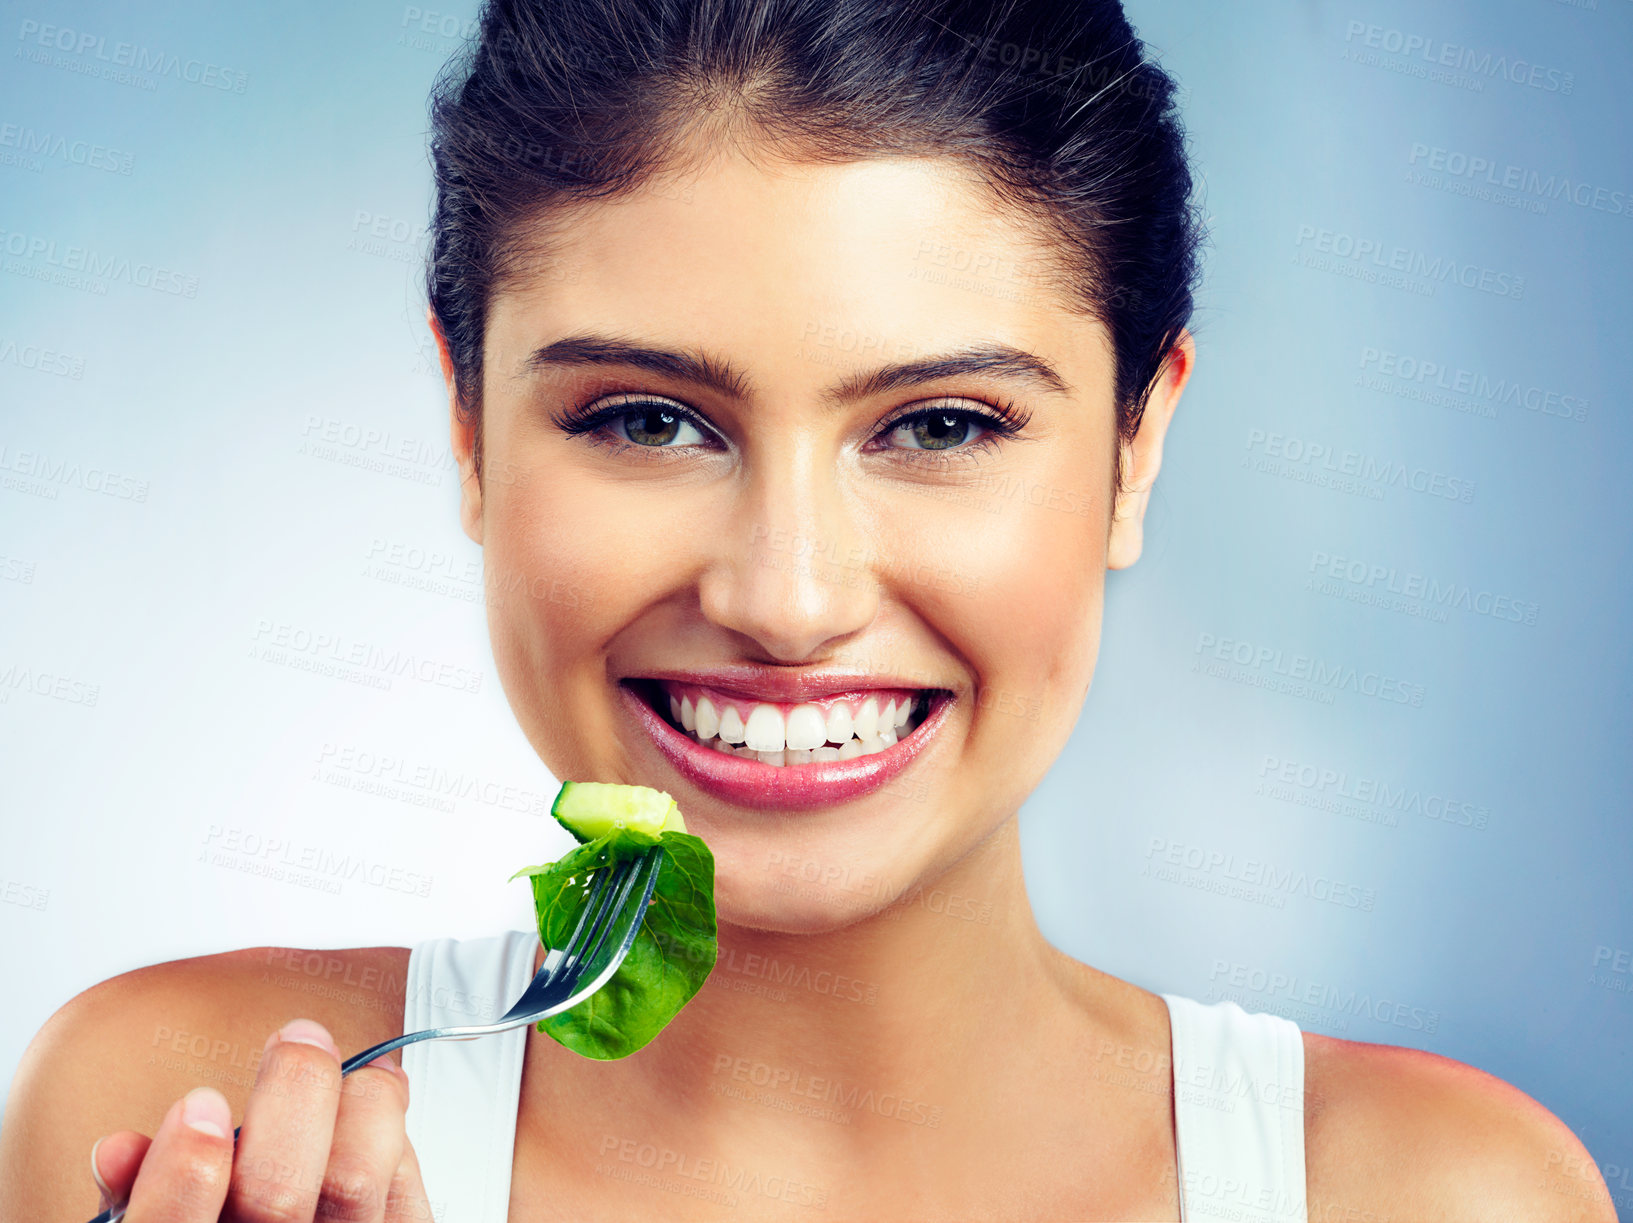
(463, 1094)
(1238, 1112)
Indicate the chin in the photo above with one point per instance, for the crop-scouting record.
(798, 886)
(777, 909)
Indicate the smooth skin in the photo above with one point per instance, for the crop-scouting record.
(904, 913)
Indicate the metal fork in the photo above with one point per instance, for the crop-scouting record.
(559, 984)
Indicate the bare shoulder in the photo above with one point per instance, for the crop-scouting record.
(116, 1056)
(1398, 1134)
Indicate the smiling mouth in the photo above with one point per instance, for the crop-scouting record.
(840, 727)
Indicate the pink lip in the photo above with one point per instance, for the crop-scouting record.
(796, 787)
(779, 685)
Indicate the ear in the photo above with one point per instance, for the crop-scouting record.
(1142, 456)
(462, 438)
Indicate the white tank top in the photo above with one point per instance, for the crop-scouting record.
(1238, 1091)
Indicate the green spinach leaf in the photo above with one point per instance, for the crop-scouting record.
(673, 952)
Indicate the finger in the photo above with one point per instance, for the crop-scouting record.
(289, 1122)
(184, 1173)
(368, 1144)
(407, 1201)
(115, 1160)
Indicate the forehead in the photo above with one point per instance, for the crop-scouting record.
(880, 259)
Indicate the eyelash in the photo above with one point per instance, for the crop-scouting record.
(1004, 420)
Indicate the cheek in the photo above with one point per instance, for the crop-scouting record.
(537, 579)
(577, 547)
(1028, 619)
(553, 597)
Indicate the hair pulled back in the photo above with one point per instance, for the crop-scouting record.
(1055, 104)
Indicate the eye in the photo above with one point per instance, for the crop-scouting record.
(654, 425)
(943, 435)
(941, 429)
(633, 422)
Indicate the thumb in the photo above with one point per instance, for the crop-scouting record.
(115, 1160)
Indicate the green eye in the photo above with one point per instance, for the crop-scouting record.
(940, 430)
(657, 427)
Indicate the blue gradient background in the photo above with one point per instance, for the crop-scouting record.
(1487, 937)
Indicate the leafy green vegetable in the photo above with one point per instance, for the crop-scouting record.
(673, 952)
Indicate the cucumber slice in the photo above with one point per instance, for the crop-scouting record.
(591, 809)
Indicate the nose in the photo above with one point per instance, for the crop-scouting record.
(794, 567)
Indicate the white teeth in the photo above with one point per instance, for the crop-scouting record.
(807, 728)
(765, 731)
(805, 735)
(708, 721)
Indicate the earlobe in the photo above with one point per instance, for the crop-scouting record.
(461, 438)
(1127, 528)
(470, 484)
(1142, 455)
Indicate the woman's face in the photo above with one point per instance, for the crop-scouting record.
(793, 516)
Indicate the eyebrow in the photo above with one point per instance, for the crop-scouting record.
(989, 359)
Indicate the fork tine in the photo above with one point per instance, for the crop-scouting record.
(557, 979)
(651, 862)
(617, 909)
(607, 909)
(606, 905)
(598, 890)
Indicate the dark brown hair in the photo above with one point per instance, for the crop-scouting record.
(1057, 105)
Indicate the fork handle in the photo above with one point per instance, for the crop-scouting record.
(408, 1038)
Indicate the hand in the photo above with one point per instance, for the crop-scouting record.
(314, 1146)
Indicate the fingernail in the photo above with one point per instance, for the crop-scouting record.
(206, 1110)
(305, 1032)
(96, 1174)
